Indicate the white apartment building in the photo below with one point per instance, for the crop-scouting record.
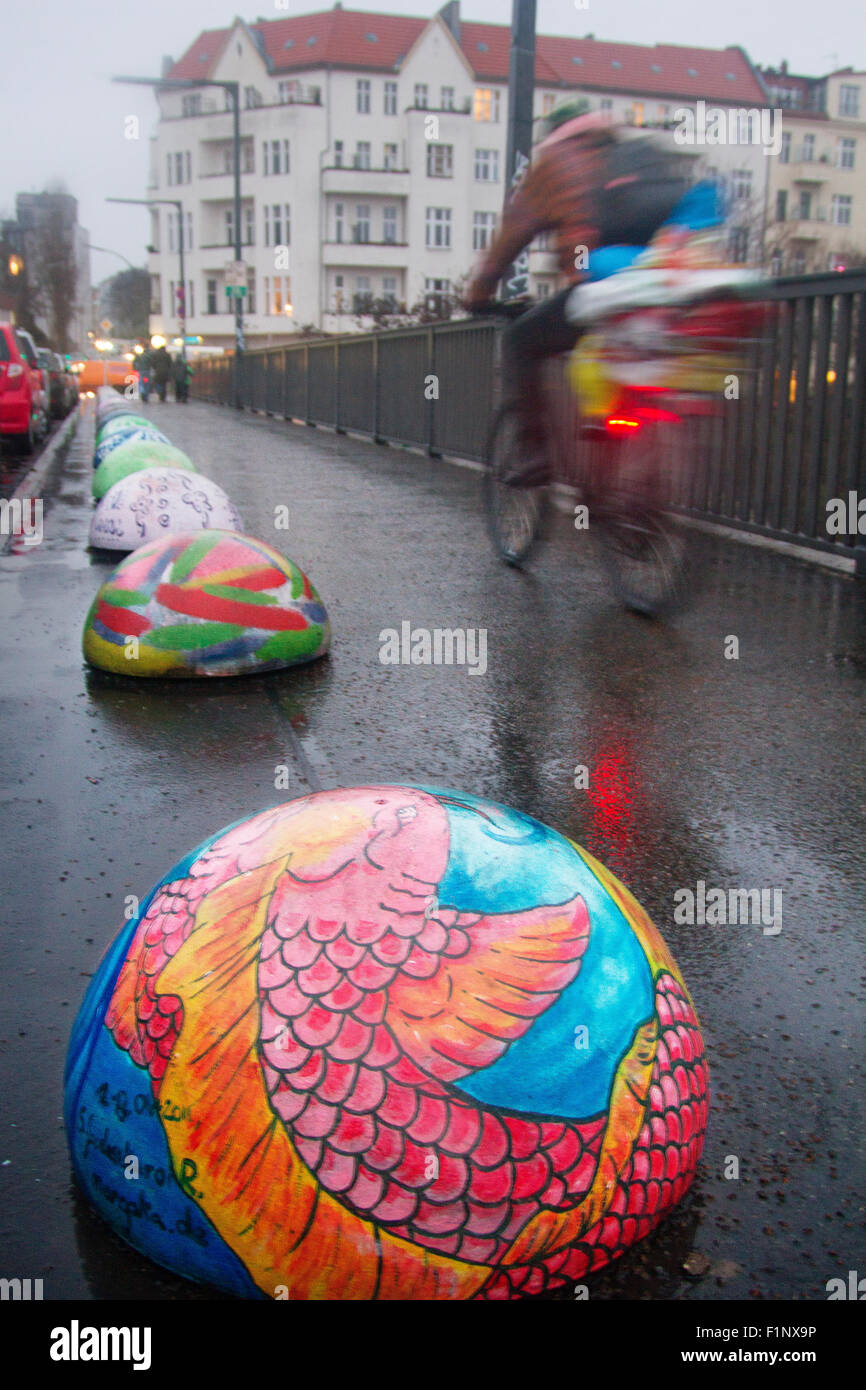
(817, 194)
(373, 159)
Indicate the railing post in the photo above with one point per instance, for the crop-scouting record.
(431, 371)
(376, 438)
(306, 383)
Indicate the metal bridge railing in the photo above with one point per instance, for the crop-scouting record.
(772, 459)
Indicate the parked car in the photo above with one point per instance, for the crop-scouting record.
(60, 396)
(23, 393)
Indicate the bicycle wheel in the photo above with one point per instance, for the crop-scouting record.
(514, 515)
(644, 551)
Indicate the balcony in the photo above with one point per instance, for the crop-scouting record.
(389, 183)
(386, 255)
(808, 228)
(810, 170)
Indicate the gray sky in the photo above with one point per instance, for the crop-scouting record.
(62, 118)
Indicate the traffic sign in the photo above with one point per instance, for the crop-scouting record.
(236, 291)
(236, 273)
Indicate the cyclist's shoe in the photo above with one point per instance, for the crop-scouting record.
(534, 467)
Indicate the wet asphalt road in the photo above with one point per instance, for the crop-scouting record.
(745, 773)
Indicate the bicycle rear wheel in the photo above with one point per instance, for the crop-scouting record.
(644, 551)
(514, 515)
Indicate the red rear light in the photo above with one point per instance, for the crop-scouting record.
(15, 369)
(622, 424)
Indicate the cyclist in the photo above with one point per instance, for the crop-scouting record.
(559, 192)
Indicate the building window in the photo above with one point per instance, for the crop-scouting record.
(781, 204)
(230, 226)
(739, 248)
(849, 100)
(785, 149)
(191, 104)
(363, 301)
(807, 154)
(391, 157)
(338, 154)
(438, 229)
(389, 292)
(805, 211)
(249, 224)
(287, 91)
(338, 294)
(606, 104)
(252, 98)
(440, 161)
(277, 224)
(845, 154)
(421, 95)
(483, 225)
(275, 157)
(486, 103)
(212, 296)
(542, 289)
(776, 263)
(251, 290)
(446, 98)
(361, 229)
(389, 224)
(172, 245)
(169, 166)
(390, 99)
(636, 113)
(548, 101)
(191, 298)
(338, 221)
(840, 211)
(249, 158)
(798, 263)
(741, 184)
(278, 295)
(362, 96)
(437, 296)
(189, 231)
(487, 166)
(362, 154)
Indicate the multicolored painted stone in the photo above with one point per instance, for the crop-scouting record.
(132, 456)
(387, 1042)
(126, 434)
(155, 501)
(213, 603)
(117, 424)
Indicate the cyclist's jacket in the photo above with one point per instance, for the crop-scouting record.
(559, 193)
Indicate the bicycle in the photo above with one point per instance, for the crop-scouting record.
(625, 463)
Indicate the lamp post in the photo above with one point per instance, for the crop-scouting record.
(234, 90)
(173, 203)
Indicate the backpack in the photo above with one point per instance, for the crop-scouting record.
(643, 181)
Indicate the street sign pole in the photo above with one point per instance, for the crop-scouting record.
(521, 94)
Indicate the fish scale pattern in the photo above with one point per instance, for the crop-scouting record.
(396, 1144)
(658, 1172)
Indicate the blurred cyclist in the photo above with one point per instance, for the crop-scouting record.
(559, 193)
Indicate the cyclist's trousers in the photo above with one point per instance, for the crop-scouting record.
(541, 333)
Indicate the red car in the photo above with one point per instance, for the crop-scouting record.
(23, 390)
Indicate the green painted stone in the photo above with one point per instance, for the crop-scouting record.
(132, 457)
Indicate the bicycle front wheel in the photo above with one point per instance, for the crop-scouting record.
(514, 515)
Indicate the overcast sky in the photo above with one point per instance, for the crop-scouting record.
(62, 118)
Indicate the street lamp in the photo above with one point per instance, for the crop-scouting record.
(108, 251)
(234, 90)
(173, 203)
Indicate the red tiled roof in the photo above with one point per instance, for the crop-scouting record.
(340, 38)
